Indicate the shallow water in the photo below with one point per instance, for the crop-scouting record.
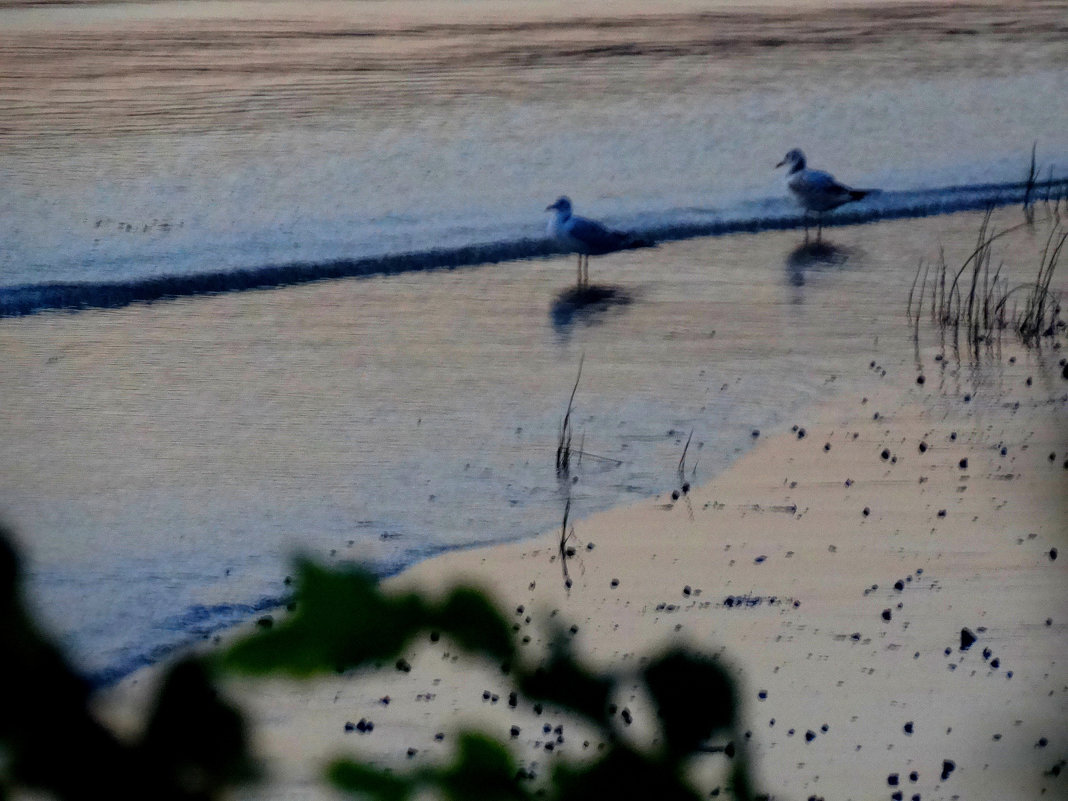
(165, 461)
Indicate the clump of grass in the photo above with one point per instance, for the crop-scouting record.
(971, 303)
(563, 448)
(1029, 187)
(1041, 309)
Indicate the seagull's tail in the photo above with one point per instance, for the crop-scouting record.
(859, 194)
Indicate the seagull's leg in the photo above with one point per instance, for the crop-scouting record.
(804, 218)
(819, 227)
(578, 279)
(586, 271)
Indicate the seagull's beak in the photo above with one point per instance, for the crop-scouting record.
(780, 164)
(553, 207)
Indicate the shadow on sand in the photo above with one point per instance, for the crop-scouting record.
(813, 256)
(585, 304)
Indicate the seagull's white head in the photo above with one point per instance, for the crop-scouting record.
(562, 206)
(795, 159)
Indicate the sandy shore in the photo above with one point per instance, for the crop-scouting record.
(862, 537)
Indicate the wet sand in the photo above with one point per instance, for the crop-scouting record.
(834, 565)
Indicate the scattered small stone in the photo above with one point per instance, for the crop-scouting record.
(887, 614)
(412, 752)
(403, 666)
(948, 766)
(755, 433)
(762, 695)
(908, 727)
(675, 495)
(800, 433)
(866, 511)
(625, 714)
(899, 585)
(967, 639)
(615, 582)
(923, 447)
(826, 446)
(687, 590)
(1053, 554)
(439, 736)
(914, 777)
(995, 663)
(920, 379)
(892, 780)
(963, 463)
(760, 559)
(265, 622)
(1042, 742)
(515, 731)
(384, 700)
(810, 736)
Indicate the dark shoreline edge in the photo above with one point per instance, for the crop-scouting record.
(27, 299)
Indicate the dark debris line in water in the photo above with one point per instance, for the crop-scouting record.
(26, 299)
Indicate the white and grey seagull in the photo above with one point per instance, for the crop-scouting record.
(587, 237)
(815, 190)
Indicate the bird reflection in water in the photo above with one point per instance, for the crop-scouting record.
(585, 304)
(813, 256)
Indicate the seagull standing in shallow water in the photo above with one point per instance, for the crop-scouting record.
(587, 237)
(815, 190)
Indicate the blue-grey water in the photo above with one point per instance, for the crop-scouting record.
(165, 461)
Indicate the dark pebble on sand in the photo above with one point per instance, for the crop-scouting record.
(866, 511)
(513, 700)
(537, 709)
(885, 454)
(756, 433)
(687, 590)
(899, 585)
(515, 731)
(759, 559)
(941, 512)
(923, 447)
(963, 463)
(914, 777)
(887, 614)
(948, 766)
(892, 780)
(615, 582)
(439, 736)
(625, 714)
(412, 752)
(434, 636)
(967, 639)
(762, 694)
(675, 495)
(810, 736)
(403, 666)
(1042, 742)
(350, 726)
(908, 727)
(800, 433)
(986, 653)
(827, 446)
(920, 379)
(1052, 554)
(384, 700)
(265, 622)
(995, 663)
